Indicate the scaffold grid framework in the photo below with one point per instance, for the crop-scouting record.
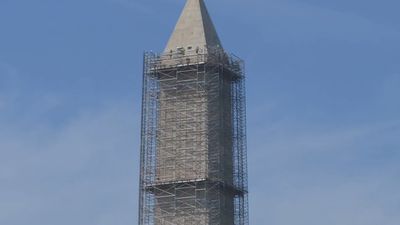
(193, 159)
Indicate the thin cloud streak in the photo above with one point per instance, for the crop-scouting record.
(303, 175)
(90, 160)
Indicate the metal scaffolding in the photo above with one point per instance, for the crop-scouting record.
(193, 143)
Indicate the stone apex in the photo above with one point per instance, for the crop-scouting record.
(194, 29)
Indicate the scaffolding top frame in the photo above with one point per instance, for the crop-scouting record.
(186, 57)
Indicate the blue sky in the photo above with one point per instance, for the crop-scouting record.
(323, 107)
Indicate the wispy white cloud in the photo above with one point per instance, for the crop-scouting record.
(316, 173)
(367, 201)
(86, 168)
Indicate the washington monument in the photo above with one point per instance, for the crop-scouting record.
(193, 162)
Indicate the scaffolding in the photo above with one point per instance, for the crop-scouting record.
(193, 144)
